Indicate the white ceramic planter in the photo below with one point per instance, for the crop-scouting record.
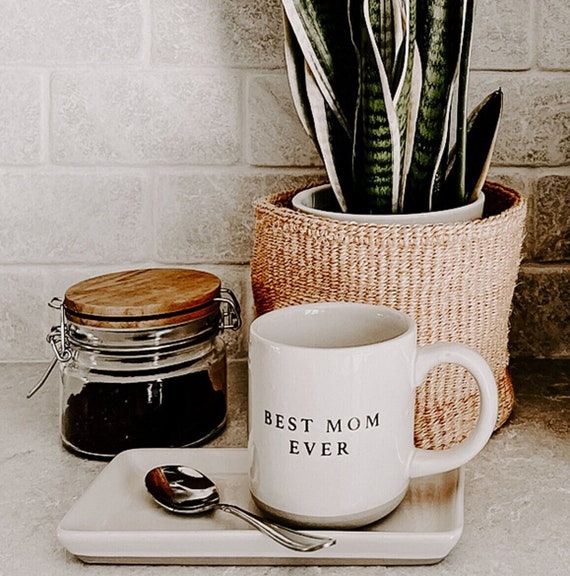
(320, 201)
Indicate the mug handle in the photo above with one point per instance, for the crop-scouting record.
(426, 462)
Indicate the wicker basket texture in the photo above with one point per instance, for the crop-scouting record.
(456, 280)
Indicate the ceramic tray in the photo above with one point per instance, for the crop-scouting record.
(116, 521)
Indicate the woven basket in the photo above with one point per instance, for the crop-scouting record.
(456, 280)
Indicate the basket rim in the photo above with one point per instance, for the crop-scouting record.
(279, 204)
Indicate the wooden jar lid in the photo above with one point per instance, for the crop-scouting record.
(142, 298)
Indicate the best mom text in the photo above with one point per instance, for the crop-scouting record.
(323, 426)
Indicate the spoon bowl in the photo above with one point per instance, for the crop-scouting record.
(185, 490)
(182, 489)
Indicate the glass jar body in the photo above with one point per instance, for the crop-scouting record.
(143, 388)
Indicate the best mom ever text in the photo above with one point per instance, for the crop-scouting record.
(305, 425)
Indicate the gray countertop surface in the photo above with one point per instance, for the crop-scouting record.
(517, 491)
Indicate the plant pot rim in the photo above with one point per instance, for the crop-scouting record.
(502, 203)
(309, 200)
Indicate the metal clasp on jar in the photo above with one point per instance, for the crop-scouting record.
(230, 310)
(57, 337)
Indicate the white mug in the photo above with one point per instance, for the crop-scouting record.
(331, 412)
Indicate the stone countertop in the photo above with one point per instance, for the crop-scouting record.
(517, 497)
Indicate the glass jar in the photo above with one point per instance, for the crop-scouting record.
(142, 362)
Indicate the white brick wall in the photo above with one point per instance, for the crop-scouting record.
(20, 117)
(145, 117)
(139, 132)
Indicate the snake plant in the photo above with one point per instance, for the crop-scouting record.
(381, 88)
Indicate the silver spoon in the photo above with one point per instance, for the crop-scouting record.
(187, 491)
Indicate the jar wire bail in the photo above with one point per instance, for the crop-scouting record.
(57, 337)
(230, 310)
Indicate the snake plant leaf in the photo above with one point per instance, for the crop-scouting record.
(295, 62)
(387, 29)
(334, 144)
(377, 135)
(323, 33)
(408, 91)
(408, 110)
(482, 130)
(462, 88)
(440, 28)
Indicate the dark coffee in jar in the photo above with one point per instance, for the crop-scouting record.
(106, 418)
(147, 366)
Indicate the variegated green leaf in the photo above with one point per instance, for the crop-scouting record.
(296, 74)
(382, 19)
(439, 39)
(482, 130)
(377, 148)
(409, 116)
(407, 94)
(462, 88)
(323, 33)
(334, 144)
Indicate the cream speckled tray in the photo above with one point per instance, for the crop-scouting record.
(116, 521)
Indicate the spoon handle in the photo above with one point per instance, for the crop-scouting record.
(293, 539)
